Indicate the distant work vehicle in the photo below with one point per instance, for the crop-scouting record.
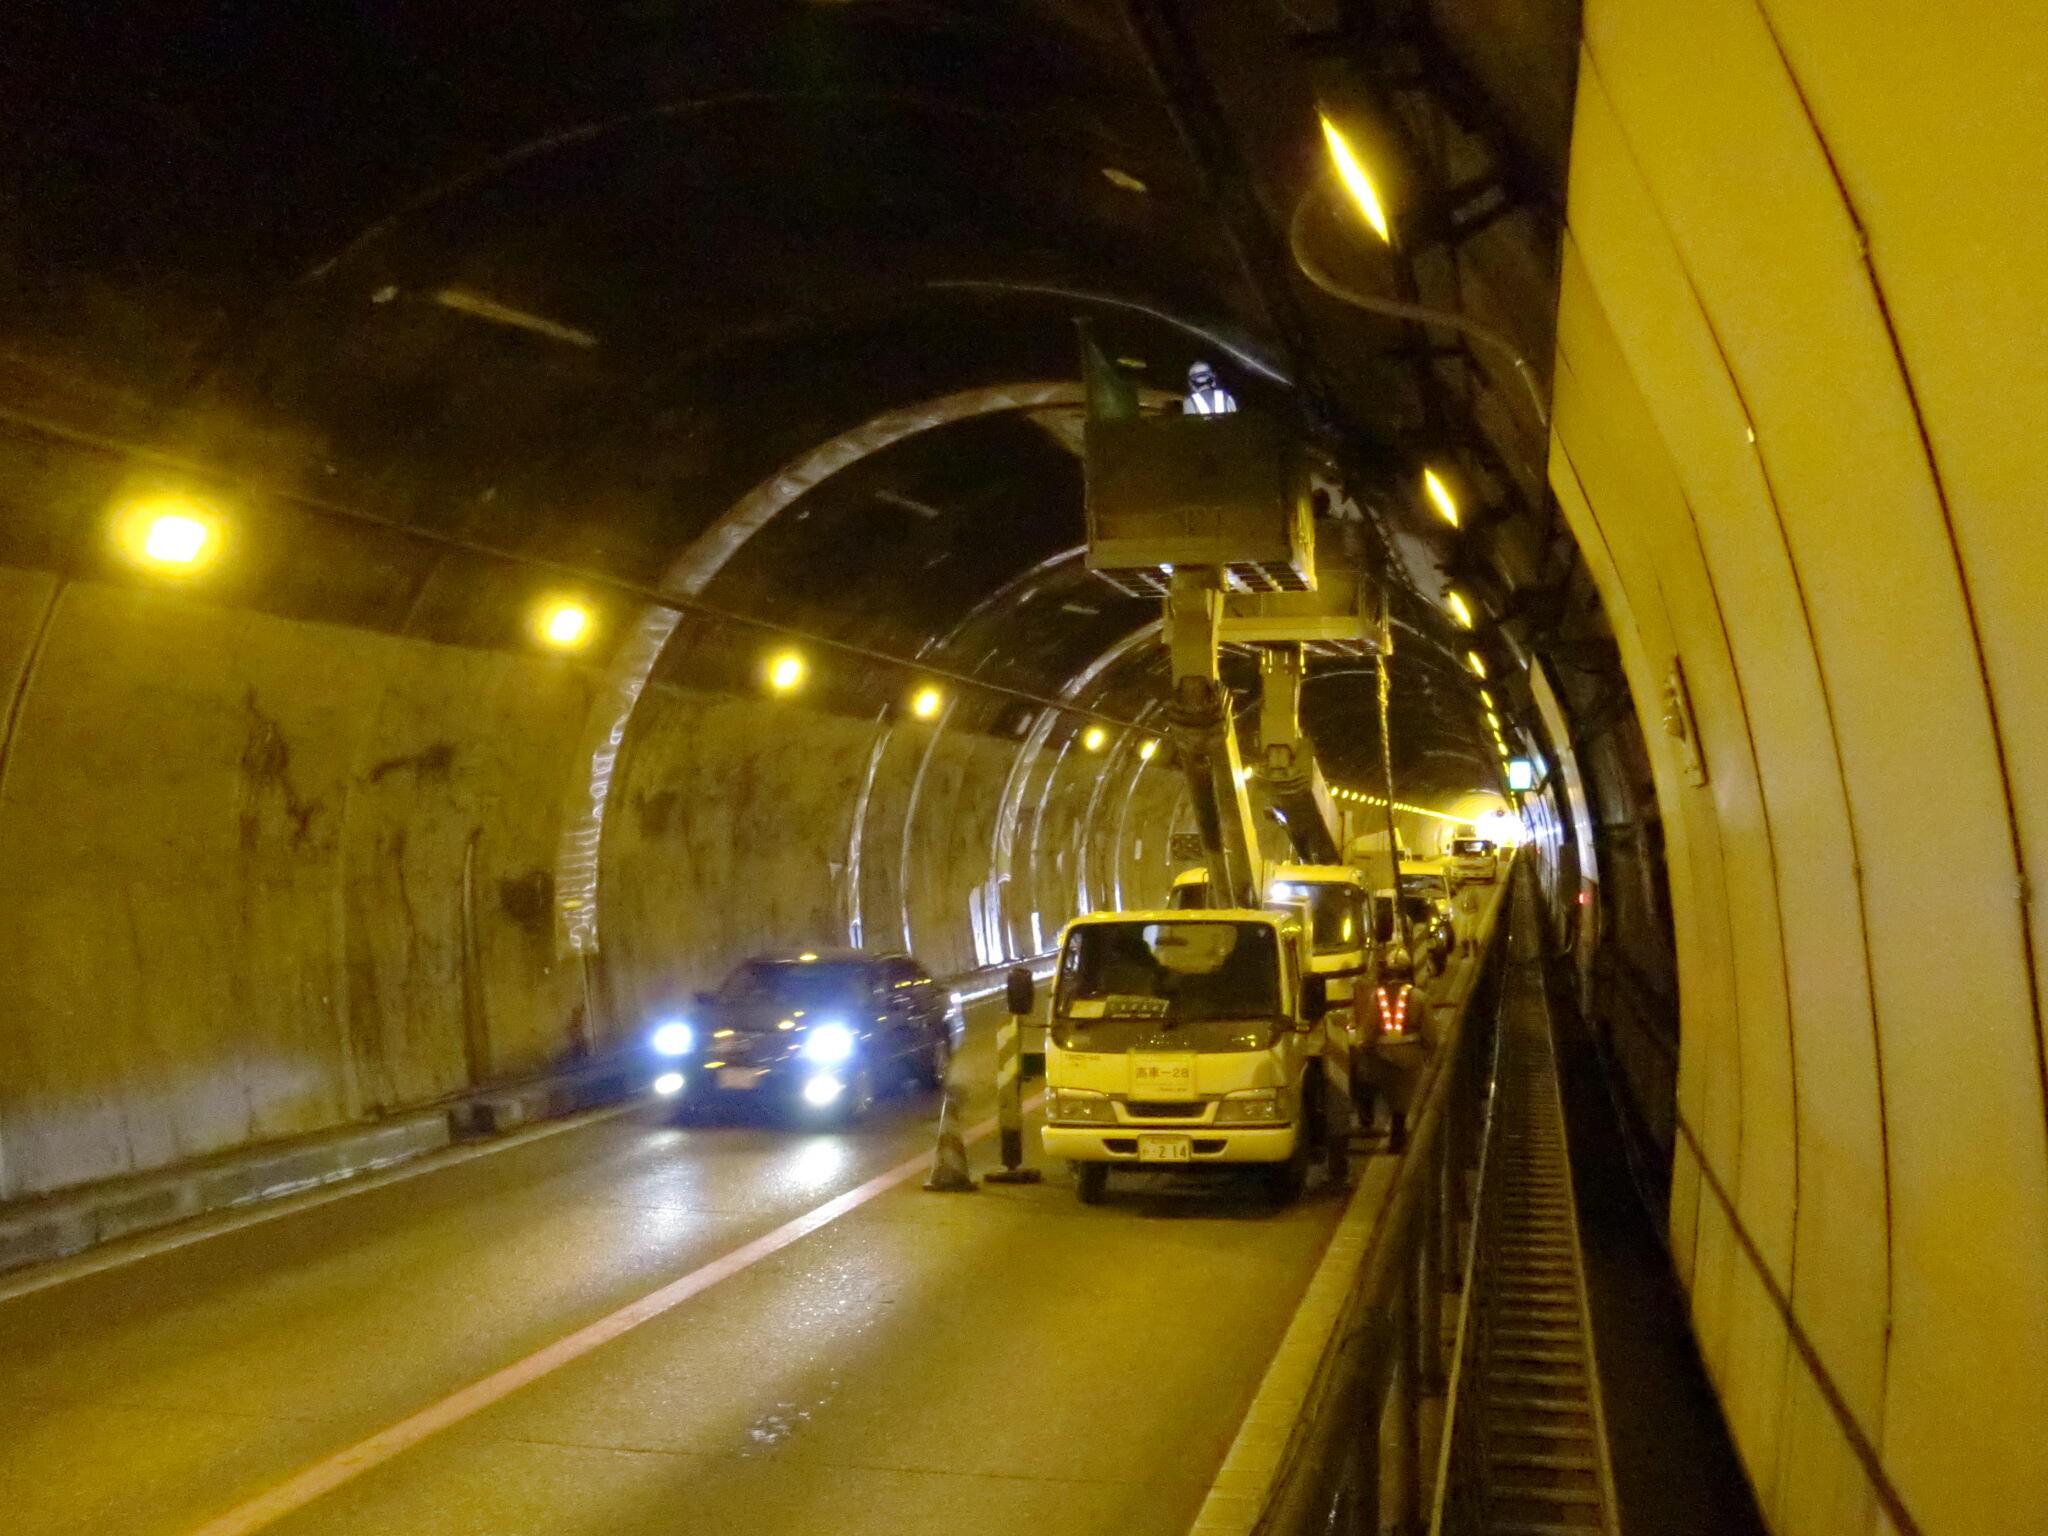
(1340, 946)
(1426, 910)
(821, 1034)
(1473, 861)
(1189, 1039)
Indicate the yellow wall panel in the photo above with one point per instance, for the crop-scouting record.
(1709, 1092)
(1733, 905)
(1933, 119)
(1821, 1489)
(1711, 221)
(1839, 1275)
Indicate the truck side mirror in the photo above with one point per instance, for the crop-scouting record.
(1019, 990)
(1315, 998)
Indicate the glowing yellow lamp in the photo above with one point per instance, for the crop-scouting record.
(1459, 610)
(169, 535)
(926, 703)
(1440, 496)
(1357, 180)
(786, 672)
(1094, 738)
(563, 624)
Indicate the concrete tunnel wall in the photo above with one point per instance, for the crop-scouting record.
(1797, 410)
(268, 877)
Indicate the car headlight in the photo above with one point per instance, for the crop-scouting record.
(828, 1042)
(822, 1090)
(674, 1038)
(1252, 1106)
(1081, 1104)
(669, 1084)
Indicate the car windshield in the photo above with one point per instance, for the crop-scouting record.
(1336, 912)
(1169, 986)
(789, 987)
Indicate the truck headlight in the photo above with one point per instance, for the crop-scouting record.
(674, 1038)
(1253, 1106)
(825, 1043)
(1080, 1104)
(669, 1084)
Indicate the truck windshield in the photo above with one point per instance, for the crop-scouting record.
(1336, 912)
(1171, 986)
(1471, 847)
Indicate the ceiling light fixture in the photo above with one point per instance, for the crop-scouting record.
(1358, 183)
(171, 535)
(563, 624)
(1440, 496)
(786, 672)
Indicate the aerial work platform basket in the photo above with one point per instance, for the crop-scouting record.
(1229, 492)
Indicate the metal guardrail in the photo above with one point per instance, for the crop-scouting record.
(1524, 1447)
(1355, 1456)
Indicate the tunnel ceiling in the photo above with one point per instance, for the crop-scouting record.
(569, 282)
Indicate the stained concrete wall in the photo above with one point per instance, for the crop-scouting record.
(268, 876)
(735, 820)
(264, 876)
(1799, 393)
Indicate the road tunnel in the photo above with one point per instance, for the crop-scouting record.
(509, 513)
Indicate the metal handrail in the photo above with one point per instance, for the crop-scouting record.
(1460, 1506)
(1355, 1451)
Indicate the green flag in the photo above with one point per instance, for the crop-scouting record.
(1110, 395)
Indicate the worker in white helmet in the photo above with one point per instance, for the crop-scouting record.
(1206, 397)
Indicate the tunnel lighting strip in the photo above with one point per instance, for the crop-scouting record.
(1399, 805)
(654, 596)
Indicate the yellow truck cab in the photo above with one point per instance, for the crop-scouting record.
(1188, 1039)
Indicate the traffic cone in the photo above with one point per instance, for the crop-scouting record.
(950, 1173)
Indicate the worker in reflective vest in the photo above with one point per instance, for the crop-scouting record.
(1399, 1016)
(1206, 397)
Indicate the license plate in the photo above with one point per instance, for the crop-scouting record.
(739, 1077)
(1164, 1149)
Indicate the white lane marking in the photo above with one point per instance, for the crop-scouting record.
(330, 1472)
(120, 1253)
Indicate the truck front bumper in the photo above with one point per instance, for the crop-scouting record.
(1206, 1143)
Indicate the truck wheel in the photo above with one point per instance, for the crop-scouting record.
(1090, 1180)
(1336, 1138)
(1285, 1181)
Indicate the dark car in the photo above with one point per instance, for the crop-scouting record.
(821, 1033)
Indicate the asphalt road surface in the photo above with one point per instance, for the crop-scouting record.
(631, 1327)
